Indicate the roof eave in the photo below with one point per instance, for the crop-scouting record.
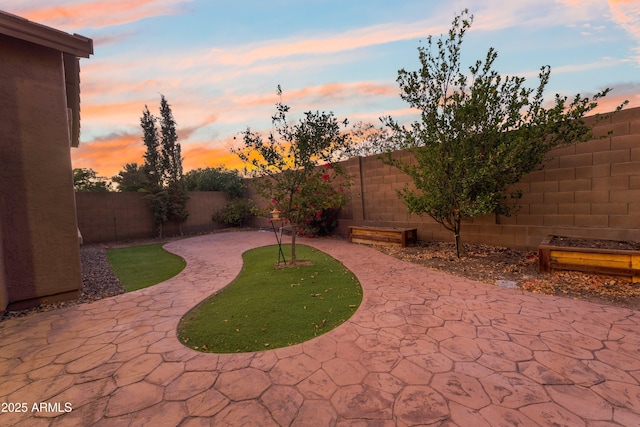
(24, 29)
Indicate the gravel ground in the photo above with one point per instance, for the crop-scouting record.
(98, 281)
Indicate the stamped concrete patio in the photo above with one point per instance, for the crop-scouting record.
(425, 348)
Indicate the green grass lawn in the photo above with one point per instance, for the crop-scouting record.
(267, 307)
(138, 267)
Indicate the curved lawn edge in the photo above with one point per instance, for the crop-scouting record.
(142, 266)
(265, 307)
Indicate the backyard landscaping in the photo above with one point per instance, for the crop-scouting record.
(512, 268)
(267, 307)
(138, 267)
(489, 264)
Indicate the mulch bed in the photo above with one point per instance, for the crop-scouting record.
(518, 269)
(575, 242)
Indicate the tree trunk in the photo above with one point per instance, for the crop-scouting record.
(457, 239)
(456, 235)
(294, 231)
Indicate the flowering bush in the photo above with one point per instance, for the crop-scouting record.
(313, 203)
(286, 166)
(322, 223)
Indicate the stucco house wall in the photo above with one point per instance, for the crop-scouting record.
(39, 122)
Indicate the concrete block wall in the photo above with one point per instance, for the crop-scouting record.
(589, 189)
(110, 217)
(201, 206)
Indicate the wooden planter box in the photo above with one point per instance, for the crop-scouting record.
(383, 235)
(617, 262)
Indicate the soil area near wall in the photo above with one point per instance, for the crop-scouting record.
(575, 242)
(518, 269)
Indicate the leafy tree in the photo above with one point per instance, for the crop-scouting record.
(286, 165)
(478, 133)
(131, 178)
(216, 179)
(367, 140)
(172, 166)
(163, 167)
(159, 204)
(171, 158)
(177, 208)
(152, 165)
(86, 179)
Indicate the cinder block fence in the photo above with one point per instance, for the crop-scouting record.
(111, 217)
(590, 189)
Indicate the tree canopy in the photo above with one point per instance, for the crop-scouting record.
(131, 178)
(163, 167)
(86, 179)
(216, 179)
(294, 167)
(478, 131)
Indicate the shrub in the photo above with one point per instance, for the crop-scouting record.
(236, 213)
(321, 223)
(216, 179)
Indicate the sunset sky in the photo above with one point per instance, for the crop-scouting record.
(218, 62)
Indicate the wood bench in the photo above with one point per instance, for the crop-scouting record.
(382, 235)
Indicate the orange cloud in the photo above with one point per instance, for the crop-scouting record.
(99, 13)
(203, 155)
(113, 110)
(109, 154)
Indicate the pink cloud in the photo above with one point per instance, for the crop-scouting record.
(325, 44)
(626, 13)
(98, 14)
(341, 90)
(185, 132)
(626, 91)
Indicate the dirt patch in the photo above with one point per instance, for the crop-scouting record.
(518, 269)
(575, 242)
(288, 264)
